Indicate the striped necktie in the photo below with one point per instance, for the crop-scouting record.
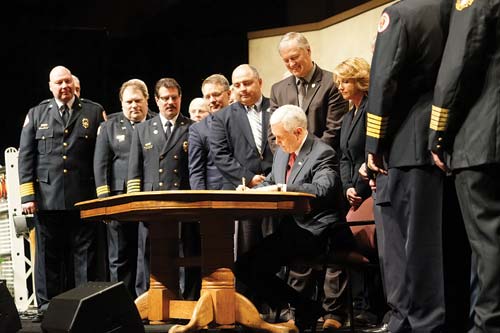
(255, 119)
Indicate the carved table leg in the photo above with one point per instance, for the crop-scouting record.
(164, 275)
(219, 303)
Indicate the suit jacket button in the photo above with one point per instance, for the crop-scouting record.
(65, 171)
(175, 171)
(65, 157)
(162, 157)
(176, 157)
(65, 144)
(176, 184)
(160, 183)
(160, 170)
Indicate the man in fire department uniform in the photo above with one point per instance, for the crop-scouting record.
(55, 171)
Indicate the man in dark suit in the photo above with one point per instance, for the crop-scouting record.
(159, 160)
(410, 41)
(110, 169)
(303, 163)
(203, 174)
(55, 171)
(239, 144)
(320, 99)
(313, 89)
(464, 125)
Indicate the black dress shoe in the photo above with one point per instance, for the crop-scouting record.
(307, 318)
(382, 328)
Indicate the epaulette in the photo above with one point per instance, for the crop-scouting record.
(45, 101)
(86, 100)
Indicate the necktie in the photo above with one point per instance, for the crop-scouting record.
(168, 129)
(291, 161)
(255, 120)
(301, 90)
(65, 114)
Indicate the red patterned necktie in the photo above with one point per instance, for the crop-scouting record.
(291, 161)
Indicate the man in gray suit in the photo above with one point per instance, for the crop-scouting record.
(312, 88)
(302, 163)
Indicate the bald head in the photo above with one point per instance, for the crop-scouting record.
(247, 84)
(198, 109)
(61, 84)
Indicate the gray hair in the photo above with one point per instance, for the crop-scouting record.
(296, 38)
(290, 116)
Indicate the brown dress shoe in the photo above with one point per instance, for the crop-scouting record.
(331, 324)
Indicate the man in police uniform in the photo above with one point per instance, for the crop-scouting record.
(110, 169)
(465, 134)
(55, 171)
(410, 41)
(159, 157)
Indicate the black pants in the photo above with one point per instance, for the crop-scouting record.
(412, 255)
(122, 253)
(257, 268)
(478, 191)
(65, 253)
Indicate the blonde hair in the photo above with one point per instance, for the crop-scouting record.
(353, 68)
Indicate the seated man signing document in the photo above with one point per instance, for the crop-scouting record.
(303, 163)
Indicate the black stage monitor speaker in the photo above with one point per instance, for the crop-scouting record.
(9, 318)
(95, 307)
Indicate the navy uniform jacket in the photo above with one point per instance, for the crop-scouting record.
(323, 104)
(315, 171)
(156, 164)
(233, 146)
(352, 147)
(111, 156)
(55, 161)
(203, 174)
(466, 111)
(408, 50)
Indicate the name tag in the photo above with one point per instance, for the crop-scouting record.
(148, 146)
(43, 126)
(120, 137)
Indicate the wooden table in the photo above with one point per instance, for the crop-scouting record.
(218, 304)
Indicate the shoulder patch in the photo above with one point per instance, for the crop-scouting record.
(462, 4)
(384, 22)
(26, 121)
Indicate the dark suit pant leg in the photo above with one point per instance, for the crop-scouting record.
(416, 199)
(191, 247)
(83, 248)
(257, 268)
(122, 253)
(478, 191)
(143, 255)
(456, 261)
(392, 259)
(51, 244)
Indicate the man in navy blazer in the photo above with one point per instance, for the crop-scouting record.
(236, 152)
(203, 174)
(314, 171)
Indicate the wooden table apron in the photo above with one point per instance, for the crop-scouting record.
(216, 212)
